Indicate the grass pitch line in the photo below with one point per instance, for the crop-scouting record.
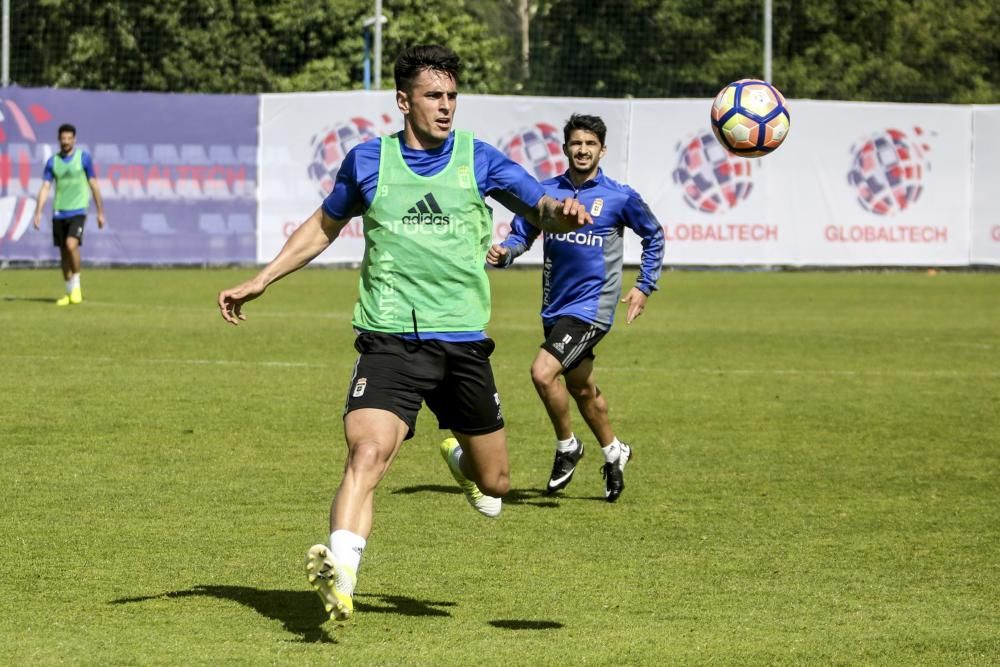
(847, 373)
(187, 362)
(602, 369)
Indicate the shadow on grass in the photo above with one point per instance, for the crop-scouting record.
(532, 497)
(513, 624)
(300, 612)
(35, 299)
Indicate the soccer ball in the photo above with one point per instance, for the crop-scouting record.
(750, 118)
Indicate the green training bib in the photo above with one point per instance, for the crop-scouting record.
(72, 187)
(426, 239)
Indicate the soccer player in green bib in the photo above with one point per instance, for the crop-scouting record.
(73, 173)
(423, 303)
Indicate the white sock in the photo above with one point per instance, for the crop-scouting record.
(69, 286)
(567, 445)
(74, 281)
(347, 548)
(612, 451)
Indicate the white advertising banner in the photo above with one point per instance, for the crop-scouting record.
(854, 184)
(892, 187)
(986, 183)
(303, 139)
(714, 207)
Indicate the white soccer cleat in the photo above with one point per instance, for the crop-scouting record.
(333, 582)
(614, 474)
(485, 505)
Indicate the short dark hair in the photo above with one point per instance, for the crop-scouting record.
(414, 60)
(583, 122)
(66, 127)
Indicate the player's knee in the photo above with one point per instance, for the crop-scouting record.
(365, 457)
(542, 377)
(582, 392)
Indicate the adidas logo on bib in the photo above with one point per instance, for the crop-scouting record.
(426, 212)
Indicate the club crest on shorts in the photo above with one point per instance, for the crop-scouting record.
(359, 387)
(496, 397)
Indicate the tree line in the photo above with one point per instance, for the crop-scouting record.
(886, 50)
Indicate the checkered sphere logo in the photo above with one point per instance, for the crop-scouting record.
(331, 144)
(537, 148)
(712, 179)
(887, 170)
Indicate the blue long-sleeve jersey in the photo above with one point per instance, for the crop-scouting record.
(582, 273)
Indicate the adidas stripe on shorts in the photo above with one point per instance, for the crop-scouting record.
(571, 341)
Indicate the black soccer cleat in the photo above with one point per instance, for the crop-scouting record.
(563, 468)
(614, 474)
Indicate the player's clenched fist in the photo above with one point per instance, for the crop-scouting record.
(497, 255)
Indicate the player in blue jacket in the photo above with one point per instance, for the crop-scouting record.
(581, 284)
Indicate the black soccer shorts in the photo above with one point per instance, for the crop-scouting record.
(63, 228)
(455, 380)
(571, 341)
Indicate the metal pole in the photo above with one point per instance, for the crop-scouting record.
(368, 60)
(524, 17)
(378, 44)
(767, 40)
(5, 56)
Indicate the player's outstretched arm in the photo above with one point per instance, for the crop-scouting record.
(552, 215)
(313, 237)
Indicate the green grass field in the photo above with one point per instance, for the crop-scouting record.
(817, 481)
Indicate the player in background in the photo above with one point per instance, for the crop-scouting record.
(73, 173)
(423, 303)
(581, 284)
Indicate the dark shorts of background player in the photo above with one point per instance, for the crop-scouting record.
(571, 341)
(455, 379)
(63, 228)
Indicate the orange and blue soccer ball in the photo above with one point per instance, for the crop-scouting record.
(750, 118)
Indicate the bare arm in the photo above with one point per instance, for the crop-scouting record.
(43, 194)
(313, 237)
(98, 201)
